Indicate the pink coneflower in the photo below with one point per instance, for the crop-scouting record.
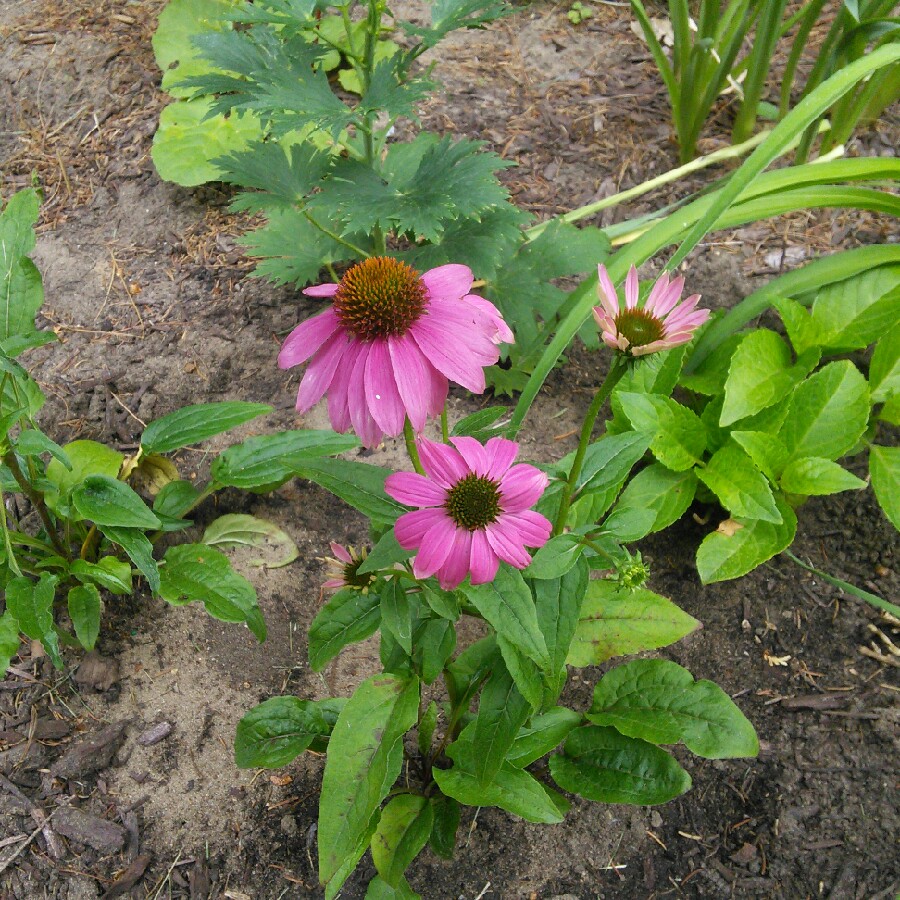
(660, 324)
(389, 344)
(475, 510)
(344, 569)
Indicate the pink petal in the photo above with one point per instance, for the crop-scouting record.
(682, 312)
(669, 298)
(307, 337)
(606, 293)
(435, 547)
(455, 362)
(632, 288)
(450, 282)
(340, 552)
(501, 455)
(502, 332)
(410, 529)
(456, 566)
(382, 396)
(441, 463)
(473, 454)
(464, 325)
(437, 388)
(333, 583)
(533, 528)
(321, 290)
(603, 319)
(657, 291)
(364, 425)
(522, 487)
(505, 542)
(338, 406)
(413, 489)
(483, 562)
(412, 372)
(320, 371)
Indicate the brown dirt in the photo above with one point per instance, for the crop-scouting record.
(150, 299)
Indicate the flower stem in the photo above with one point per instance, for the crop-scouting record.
(411, 446)
(616, 371)
(445, 432)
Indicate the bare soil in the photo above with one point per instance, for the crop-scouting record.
(153, 307)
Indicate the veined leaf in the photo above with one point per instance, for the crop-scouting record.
(884, 464)
(812, 475)
(84, 611)
(741, 488)
(349, 616)
(403, 830)
(193, 424)
(664, 493)
(108, 501)
(239, 530)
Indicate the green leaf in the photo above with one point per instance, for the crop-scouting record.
(766, 450)
(890, 412)
(108, 572)
(615, 621)
(379, 889)
(349, 616)
(33, 442)
(664, 493)
(450, 15)
(18, 343)
(543, 734)
(603, 765)
(359, 484)
(21, 291)
(108, 501)
(481, 424)
(659, 701)
(281, 728)
(506, 603)
(9, 640)
(396, 613)
(884, 465)
(84, 611)
(741, 488)
(384, 554)
(31, 604)
(240, 530)
(802, 331)
(197, 572)
(884, 371)
(729, 553)
(139, 549)
(175, 499)
(365, 756)
(556, 557)
(446, 821)
(403, 830)
(812, 475)
(761, 373)
(679, 437)
(265, 462)
(434, 641)
(193, 424)
(528, 678)
(444, 603)
(608, 461)
(87, 458)
(828, 412)
(427, 726)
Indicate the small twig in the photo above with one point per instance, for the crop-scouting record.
(27, 843)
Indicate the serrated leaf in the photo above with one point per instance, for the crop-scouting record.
(658, 701)
(660, 491)
(608, 461)
(349, 616)
(434, 641)
(828, 412)
(365, 756)
(608, 767)
(741, 488)
(884, 371)
(729, 554)
(450, 15)
(278, 730)
(556, 557)
(108, 501)
(193, 424)
(615, 621)
(403, 830)
(812, 475)
(884, 465)
(766, 450)
(481, 424)
(679, 437)
(84, 611)
(197, 572)
(239, 530)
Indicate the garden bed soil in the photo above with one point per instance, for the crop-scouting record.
(150, 298)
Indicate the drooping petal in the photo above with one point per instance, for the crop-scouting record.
(340, 552)
(306, 338)
(456, 565)
(483, 563)
(332, 583)
(413, 489)
(435, 547)
(364, 425)
(606, 292)
(437, 388)
(320, 372)
(682, 313)
(501, 454)
(321, 290)
(448, 282)
(533, 528)
(521, 487)
(338, 405)
(410, 529)
(503, 333)
(632, 289)
(463, 325)
(441, 463)
(454, 362)
(413, 375)
(473, 454)
(382, 396)
(505, 542)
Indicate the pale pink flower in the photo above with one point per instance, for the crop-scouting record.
(389, 344)
(660, 324)
(343, 569)
(475, 510)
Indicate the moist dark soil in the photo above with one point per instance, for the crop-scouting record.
(129, 750)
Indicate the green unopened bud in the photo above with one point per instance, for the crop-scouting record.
(632, 573)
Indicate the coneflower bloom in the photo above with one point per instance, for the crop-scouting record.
(660, 324)
(388, 346)
(344, 569)
(474, 510)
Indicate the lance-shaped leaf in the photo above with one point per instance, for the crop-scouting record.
(543, 734)
(603, 765)
(814, 475)
(31, 604)
(349, 616)
(21, 291)
(240, 530)
(281, 728)
(139, 549)
(84, 611)
(365, 756)
(192, 424)
(403, 830)
(108, 572)
(665, 493)
(884, 463)
(658, 701)
(679, 437)
(397, 614)
(615, 621)
(108, 501)
(9, 640)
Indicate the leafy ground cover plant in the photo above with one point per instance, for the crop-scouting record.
(74, 525)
